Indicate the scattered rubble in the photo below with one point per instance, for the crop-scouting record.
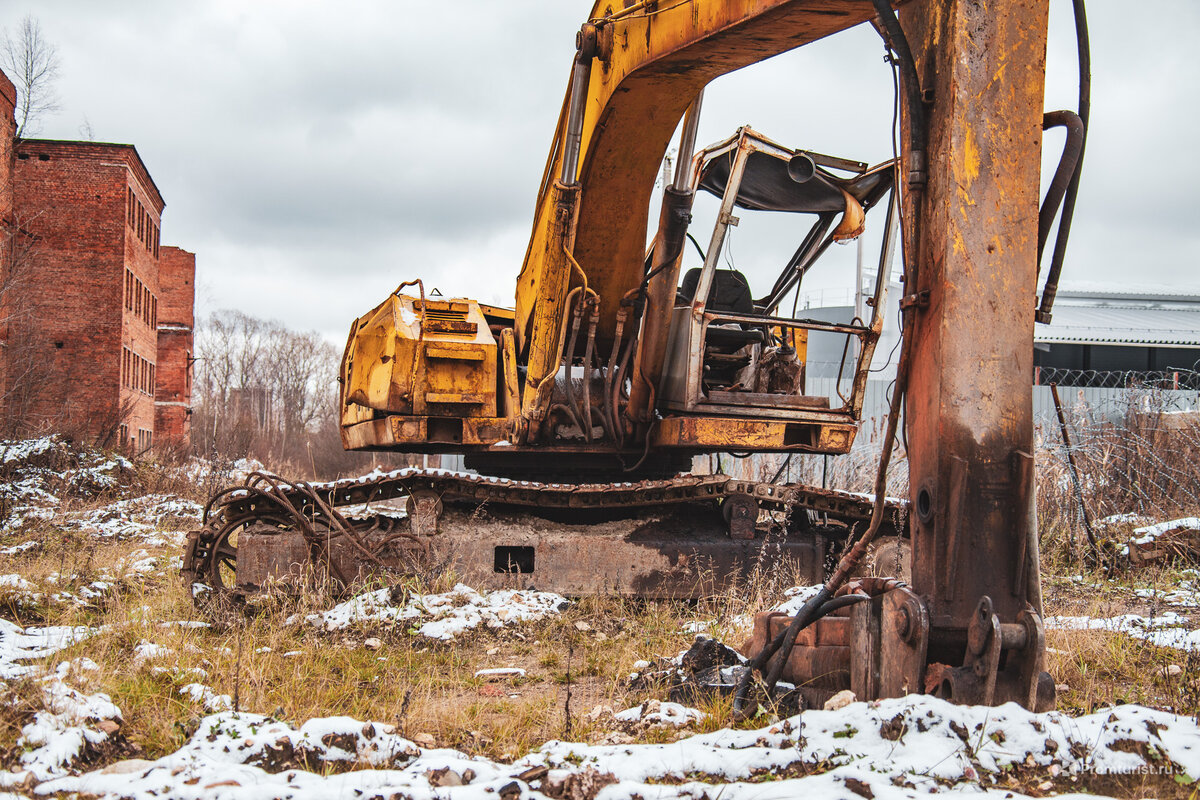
(839, 701)
(705, 669)
(1166, 541)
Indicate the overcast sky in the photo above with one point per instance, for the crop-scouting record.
(314, 155)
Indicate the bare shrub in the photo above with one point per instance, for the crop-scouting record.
(1138, 458)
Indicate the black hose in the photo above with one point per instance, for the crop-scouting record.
(806, 616)
(1084, 48)
(1064, 173)
(918, 120)
(839, 602)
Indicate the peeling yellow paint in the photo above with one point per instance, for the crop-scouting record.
(970, 155)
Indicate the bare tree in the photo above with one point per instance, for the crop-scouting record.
(268, 392)
(32, 63)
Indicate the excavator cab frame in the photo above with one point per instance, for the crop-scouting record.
(697, 320)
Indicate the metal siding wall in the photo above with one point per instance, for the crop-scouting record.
(1106, 402)
(1109, 403)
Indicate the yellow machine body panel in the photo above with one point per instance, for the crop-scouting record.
(648, 69)
(420, 358)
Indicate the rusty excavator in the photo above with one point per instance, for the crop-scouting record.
(579, 410)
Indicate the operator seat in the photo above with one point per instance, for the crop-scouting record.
(730, 293)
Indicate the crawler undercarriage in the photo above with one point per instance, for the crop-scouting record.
(683, 537)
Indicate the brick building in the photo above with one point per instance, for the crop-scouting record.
(97, 296)
(8, 130)
(176, 320)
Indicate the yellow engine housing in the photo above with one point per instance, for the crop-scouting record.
(426, 368)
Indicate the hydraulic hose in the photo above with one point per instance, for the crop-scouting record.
(1084, 49)
(918, 120)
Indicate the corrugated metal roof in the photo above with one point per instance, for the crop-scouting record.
(1177, 325)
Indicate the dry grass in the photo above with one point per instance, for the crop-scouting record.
(296, 672)
(1102, 668)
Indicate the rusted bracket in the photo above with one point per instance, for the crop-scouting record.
(974, 683)
(890, 639)
(918, 300)
(424, 508)
(741, 514)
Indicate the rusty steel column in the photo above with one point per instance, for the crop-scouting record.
(969, 417)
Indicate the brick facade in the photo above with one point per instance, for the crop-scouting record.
(8, 130)
(9, 236)
(83, 347)
(176, 320)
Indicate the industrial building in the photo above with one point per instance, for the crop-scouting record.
(97, 313)
(1108, 337)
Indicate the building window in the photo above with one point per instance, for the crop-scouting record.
(122, 435)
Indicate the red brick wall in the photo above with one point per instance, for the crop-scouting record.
(176, 318)
(142, 211)
(8, 235)
(8, 129)
(74, 197)
(177, 279)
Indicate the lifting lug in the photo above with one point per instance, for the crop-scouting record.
(918, 300)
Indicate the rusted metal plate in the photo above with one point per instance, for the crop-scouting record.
(682, 552)
(890, 637)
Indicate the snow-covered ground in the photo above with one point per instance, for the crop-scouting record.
(42, 474)
(903, 748)
(1168, 630)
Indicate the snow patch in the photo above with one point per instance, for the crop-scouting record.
(902, 748)
(1168, 630)
(442, 616)
(19, 644)
(656, 713)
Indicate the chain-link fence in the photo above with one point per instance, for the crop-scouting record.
(1171, 379)
(1138, 457)
(1136, 444)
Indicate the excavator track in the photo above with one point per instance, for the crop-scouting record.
(683, 536)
